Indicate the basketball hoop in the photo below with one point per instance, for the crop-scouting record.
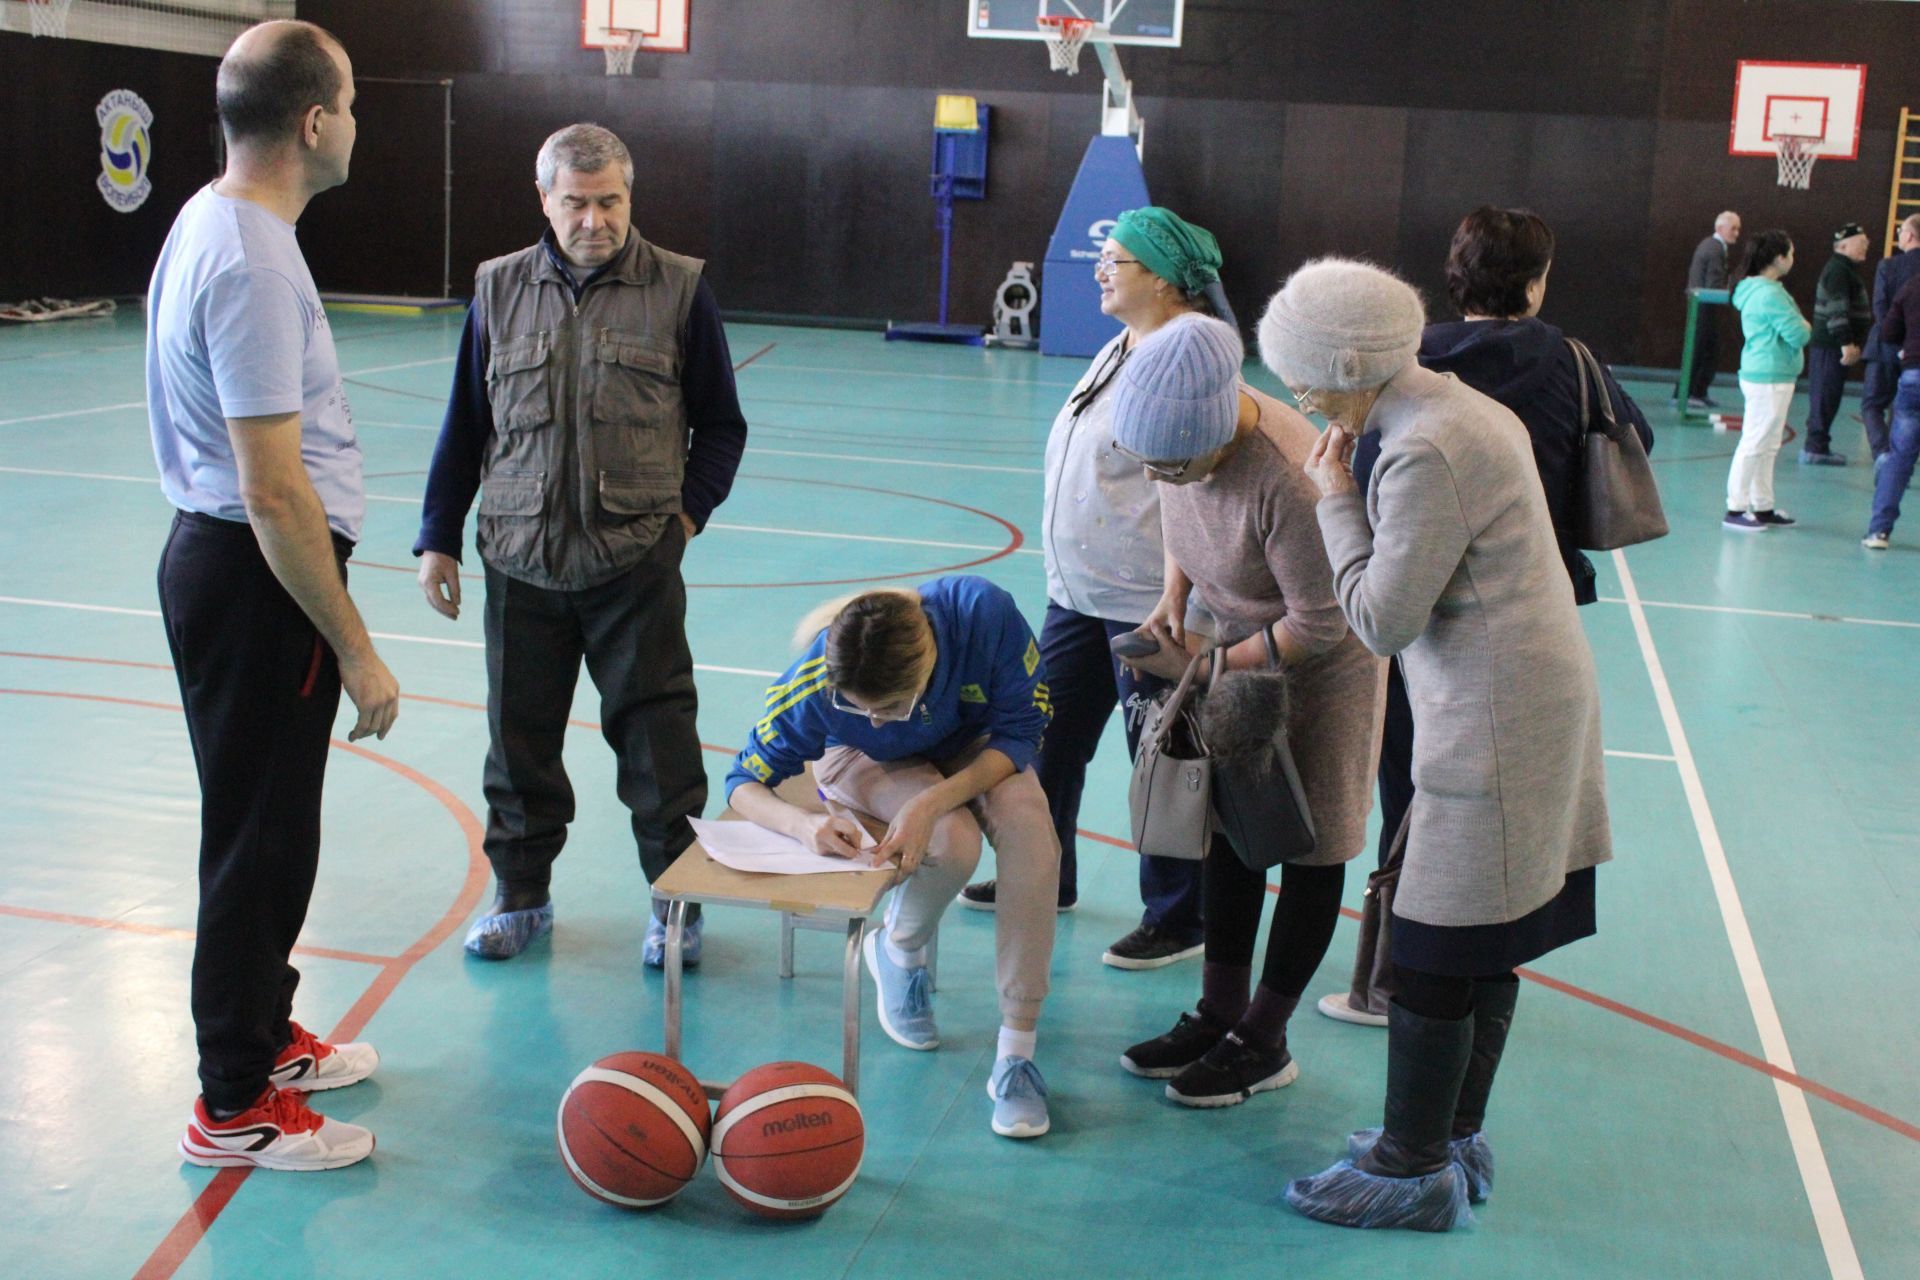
(1796, 153)
(620, 56)
(48, 17)
(1066, 35)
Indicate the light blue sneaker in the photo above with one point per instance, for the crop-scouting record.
(653, 952)
(905, 998)
(507, 934)
(1019, 1099)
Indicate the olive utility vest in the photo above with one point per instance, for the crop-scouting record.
(583, 469)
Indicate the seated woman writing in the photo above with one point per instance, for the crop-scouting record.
(924, 708)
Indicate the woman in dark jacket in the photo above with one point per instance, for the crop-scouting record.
(1497, 279)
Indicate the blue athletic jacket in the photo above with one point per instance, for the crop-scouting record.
(987, 680)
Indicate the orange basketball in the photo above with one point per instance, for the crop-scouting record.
(634, 1129)
(787, 1140)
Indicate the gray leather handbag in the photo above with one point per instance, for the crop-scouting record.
(1615, 500)
(1171, 796)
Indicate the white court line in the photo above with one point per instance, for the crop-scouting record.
(73, 413)
(1765, 613)
(80, 475)
(903, 373)
(389, 368)
(897, 462)
(400, 637)
(404, 426)
(1641, 755)
(1828, 1218)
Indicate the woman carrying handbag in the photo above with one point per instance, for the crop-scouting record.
(1237, 517)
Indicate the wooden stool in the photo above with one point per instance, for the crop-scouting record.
(837, 901)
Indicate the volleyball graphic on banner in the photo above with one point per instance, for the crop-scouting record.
(126, 149)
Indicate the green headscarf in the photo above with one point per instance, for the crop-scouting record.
(1170, 246)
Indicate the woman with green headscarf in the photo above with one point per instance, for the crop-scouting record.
(1101, 537)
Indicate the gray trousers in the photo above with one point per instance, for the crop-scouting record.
(632, 634)
(1013, 817)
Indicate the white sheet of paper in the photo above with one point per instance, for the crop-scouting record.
(746, 847)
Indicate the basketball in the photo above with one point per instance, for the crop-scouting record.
(633, 1129)
(787, 1140)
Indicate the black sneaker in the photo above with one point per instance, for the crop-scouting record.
(1150, 947)
(1163, 1057)
(980, 897)
(1230, 1073)
(1779, 518)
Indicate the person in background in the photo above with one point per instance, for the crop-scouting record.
(1902, 331)
(924, 709)
(594, 412)
(1101, 536)
(1770, 360)
(1497, 271)
(1237, 516)
(1448, 559)
(1842, 315)
(1711, 268)
(1882, 357)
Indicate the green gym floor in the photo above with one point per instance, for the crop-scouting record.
(1721, 1084)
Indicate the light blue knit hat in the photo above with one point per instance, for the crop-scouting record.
(1178, 394)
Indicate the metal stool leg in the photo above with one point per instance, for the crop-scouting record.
(851, 1000)
(676, 931)
(786, 944)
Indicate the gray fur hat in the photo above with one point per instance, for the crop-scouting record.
(1178, 394)
(1341, 325)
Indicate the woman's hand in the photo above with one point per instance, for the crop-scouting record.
(1170, 661)
(1330, 464)
(1170, 613)
(910, 834)
(833, 836)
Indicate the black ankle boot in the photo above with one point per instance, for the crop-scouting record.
(1426, 1059)
(1493, 1004)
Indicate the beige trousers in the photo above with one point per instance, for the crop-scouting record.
(1013, 817)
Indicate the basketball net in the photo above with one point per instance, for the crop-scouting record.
(1795, 154)
(48, 17)
(1066, 36)
(620, 56)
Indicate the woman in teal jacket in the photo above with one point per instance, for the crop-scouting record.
(1770, 363)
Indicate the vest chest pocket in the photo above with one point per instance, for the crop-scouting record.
(520, 383)
(634, 382)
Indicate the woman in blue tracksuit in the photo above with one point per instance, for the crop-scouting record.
(924, 708)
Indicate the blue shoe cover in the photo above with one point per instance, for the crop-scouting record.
(506, 935)
(1348, 1197)
(1472, 1154)
(653, 952)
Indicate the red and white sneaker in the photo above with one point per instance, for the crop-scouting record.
(278, 1131)
(311, 1065)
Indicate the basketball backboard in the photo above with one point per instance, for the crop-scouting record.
(1136, 22)
(662, 24)
(1809, 99)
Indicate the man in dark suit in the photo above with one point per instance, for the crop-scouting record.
(1712, 268)
(1882, 357)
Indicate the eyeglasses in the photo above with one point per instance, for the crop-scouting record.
(1107, 265)
(880, 715)
(1158, 470)
(1306, 400)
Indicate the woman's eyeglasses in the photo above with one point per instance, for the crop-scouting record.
(1107, 265)
(892, 714)
(1158, 470)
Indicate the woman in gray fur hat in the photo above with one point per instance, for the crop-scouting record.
(1448, 560)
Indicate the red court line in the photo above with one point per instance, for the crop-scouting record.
(755, 356)
(162, 931)
(214, 1198)
(1740, 1057)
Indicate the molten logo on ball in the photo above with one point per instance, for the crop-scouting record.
(791, 1123)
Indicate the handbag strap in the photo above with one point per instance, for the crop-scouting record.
(1177, 701)
(1590, 375)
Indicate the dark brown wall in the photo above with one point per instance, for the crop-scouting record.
(789, 146)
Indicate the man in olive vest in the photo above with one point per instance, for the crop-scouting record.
(594, 412)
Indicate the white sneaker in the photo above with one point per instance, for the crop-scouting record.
(1337, 1006)
(311, 1065)
(278, 1131)
(1874, 542)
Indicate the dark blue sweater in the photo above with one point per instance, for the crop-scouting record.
(718, 430)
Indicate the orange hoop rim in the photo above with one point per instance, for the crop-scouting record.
(1069, 25)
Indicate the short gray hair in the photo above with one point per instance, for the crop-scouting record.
(583, 148)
